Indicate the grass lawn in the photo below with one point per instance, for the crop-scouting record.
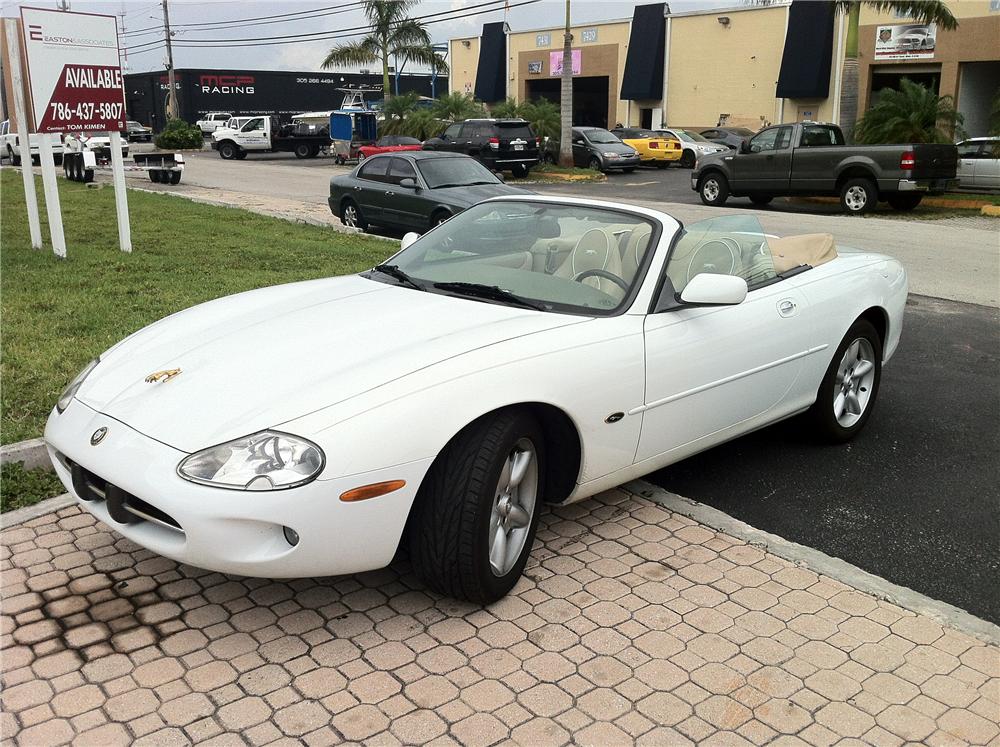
(20, 487)
(59, 314)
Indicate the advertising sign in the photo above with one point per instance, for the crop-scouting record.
(905, 42)
(556, 62)
(74, 73)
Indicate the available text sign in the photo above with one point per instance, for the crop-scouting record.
(74, 73)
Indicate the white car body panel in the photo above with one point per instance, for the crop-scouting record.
(382, 377)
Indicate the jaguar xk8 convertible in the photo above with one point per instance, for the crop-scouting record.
(530, 350)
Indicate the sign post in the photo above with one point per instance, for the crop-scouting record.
(52, 204)
(17, 88)
(76, 84)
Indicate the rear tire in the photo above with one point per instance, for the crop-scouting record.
(662, 164)
(847, 395)
(351, 216)
(713, 188)
(761, 199)
(687, 159)
(175, 176)
(858, 196)
(520, 171)
(303, 151)
(904, 200)
(474, 519)
(154, 175)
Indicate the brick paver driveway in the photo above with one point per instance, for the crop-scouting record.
(633, 624)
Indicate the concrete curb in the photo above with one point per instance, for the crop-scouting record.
(49, 505)
(820, 562)
(31, 453)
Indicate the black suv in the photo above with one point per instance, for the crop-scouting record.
(500, 144)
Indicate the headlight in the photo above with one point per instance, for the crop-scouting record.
(268, 460)
(70, 391)
(610, 155)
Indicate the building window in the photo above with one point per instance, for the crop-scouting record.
(543, 40)
(588, 36)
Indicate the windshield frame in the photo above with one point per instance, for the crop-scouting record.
(623, 307)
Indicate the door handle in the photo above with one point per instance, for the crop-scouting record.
(357, 189)
(389, 194)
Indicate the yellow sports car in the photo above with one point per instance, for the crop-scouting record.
(653, 149)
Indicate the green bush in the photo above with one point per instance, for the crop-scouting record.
(178, 135)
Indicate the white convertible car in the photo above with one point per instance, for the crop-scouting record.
(530, 350)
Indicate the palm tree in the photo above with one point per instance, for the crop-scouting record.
(566, 98)
(913, 114)
(544, 117)
(923, 11)
(457, 106)
(393, 35)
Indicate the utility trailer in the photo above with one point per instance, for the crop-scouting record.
(163, 168)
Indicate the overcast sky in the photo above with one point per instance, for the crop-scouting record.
(307, 54)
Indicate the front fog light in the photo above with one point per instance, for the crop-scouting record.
(268, 460)
(291, 536)
(71, 389)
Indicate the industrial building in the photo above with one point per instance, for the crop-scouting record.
(744, 66)
(247, 92)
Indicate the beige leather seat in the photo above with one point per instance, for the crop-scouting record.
(811, 249)
(635, 249)
(596, 250)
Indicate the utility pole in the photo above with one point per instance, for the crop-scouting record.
(124, 61)
(172, 98)
(566, 98)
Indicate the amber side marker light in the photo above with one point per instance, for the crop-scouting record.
(371, 491)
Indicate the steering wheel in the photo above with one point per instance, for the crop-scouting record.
(620, 282)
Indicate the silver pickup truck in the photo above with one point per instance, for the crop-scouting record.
(810, 158)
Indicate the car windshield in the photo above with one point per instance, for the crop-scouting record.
(600, 137)
(691, 137)
(454, 172)
(644, 134)
(558, 258)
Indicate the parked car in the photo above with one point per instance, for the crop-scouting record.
(268, 135)
(389, 144)
(694, 145)
(731, 137)
(979, 163)
(810, 158)
(10, 145)
(654, 150)
(138, 131)
(597, 148)
(212, 121)
(501, 144)
(529, 351)
(412, 190)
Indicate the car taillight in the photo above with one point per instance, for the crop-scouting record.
(653, 144)
(538, 142)
(494, 142)
(907, 161)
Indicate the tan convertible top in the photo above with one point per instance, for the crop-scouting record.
(807, 249)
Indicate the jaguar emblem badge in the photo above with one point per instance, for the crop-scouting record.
(166, 375)
(98, 436)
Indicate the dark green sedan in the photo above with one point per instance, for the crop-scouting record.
(413, 190)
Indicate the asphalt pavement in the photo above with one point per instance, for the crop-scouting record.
(915, 497)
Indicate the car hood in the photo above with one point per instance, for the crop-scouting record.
(470, 195)
(261, 358)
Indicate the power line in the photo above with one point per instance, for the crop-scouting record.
(331, 10)
(351, 31)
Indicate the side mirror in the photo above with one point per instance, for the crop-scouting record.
(744, 146)
(710, 289)
(408, 183)
(408, 239)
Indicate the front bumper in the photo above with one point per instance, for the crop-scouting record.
(621, 163)
(230, 531)
(927, 185)
(214, 145)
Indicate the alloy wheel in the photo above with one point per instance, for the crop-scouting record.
(855, 380)
(350, 217)
(513, 507)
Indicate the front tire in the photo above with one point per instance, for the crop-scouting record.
(15, 160)
(228, 151)
(437, 219)
(595, 163)
(713, 188)
(858, 196)
(687, 159)
(846, 397)
(475, 516)
(904, 200)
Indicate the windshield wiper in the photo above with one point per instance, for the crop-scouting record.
(490, 293)
(393, 271)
